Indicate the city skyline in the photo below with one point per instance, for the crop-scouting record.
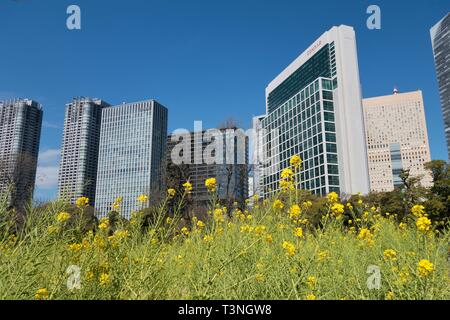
(258, 69)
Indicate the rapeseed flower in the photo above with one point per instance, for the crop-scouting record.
(278, 205)
(296, 162)
(82, 202)
(211, 184)
(42, 294)
(425, 268)
(290, 248)
(62, 217)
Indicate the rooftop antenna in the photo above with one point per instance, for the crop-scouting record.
(395, 90)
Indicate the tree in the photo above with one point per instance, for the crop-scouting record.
(17, 178)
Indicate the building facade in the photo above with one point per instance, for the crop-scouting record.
(257, 155)
(79, 152)
(314, 110)
(230, 169)
(133, 140)
(440, 38)
(20, 131)
(397, 139)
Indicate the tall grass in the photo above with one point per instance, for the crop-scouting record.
(257, 253)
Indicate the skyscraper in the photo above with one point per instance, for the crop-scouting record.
(440, 38)
(79, 154)
(231, 175)
(397, 139)
(133, 142)
(20, 131)
(314, 110)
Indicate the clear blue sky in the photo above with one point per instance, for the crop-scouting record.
(204, 59)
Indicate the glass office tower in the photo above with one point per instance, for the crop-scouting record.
(133, 140)
(440, 37)
(314, 110)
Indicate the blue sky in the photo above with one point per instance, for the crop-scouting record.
(204, 59)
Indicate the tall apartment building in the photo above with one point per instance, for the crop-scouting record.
(397, 139)
(230, 169)
(79, 153)
(20, 132)
(133, 140)
(314, 110)
(440, 37)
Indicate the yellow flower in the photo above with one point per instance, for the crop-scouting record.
(402, 226)
(218, 215)
(53, 229)
(390, 254)
(290, 248)
(82, 202)
(286, 185)
(333, 197)
(360, 202)
(89, 276)
(259, 277)
(425, 268)
(287, 173)
(200, 224)
(418, 210)
(269, 238)
(390, 295)
(121, 234)
(208, 238)
(322, 255)
(185, 231)
(298, 232)
(311, 281)
(211, 184)
(311, 297)
(142, 198)
(307, 204)
(104, 279)
(116, 204)
(296, 161)
(278, 204)
(337, 209)
(104, 224)
(75, 247)
(423, 224)
(187, 187)
(42, 294)
(295, 211)
(366, 235)
(171, 193)
(62, 217)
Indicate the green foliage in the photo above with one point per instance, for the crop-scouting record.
(257, 253)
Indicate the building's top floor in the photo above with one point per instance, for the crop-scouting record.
(20, 101)
(394, 98)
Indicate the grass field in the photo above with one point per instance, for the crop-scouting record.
(277, 250)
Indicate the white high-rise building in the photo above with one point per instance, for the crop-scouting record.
(440, 38)
(20, 132)
(79, 153)
(314, 109)
(397, 139)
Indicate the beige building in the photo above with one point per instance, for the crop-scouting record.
(397, 139)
